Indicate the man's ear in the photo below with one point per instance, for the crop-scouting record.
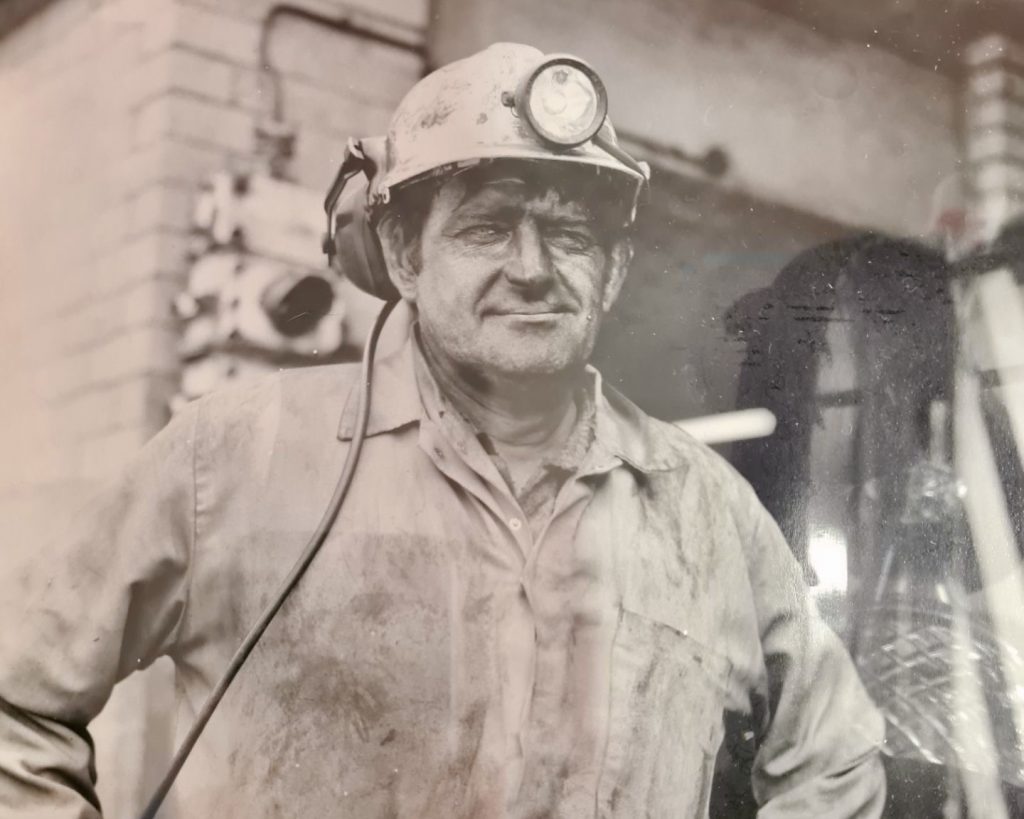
(619, 259)
(399, 255)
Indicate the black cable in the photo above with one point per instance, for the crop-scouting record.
(316, 540)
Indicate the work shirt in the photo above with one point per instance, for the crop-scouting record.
(537, 495)
(440, 658)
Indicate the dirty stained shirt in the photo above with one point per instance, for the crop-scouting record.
(527, 640)
(441, 658)
(537, 495)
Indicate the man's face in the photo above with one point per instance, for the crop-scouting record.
(513, 276)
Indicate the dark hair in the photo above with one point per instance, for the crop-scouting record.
(607, 195)
(407, 210)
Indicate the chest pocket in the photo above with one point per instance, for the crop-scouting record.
(665, 721)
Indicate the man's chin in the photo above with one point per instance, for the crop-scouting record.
(527, 361)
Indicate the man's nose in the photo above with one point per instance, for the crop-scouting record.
(531, 262)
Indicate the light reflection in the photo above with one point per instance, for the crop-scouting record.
(826, 552)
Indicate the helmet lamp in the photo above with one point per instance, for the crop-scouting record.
(563, 100)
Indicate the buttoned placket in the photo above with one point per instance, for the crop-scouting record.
(475, 473)
(546, 720)
(478, 476)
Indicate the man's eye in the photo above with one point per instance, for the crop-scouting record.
(485, 232)
(572, 239)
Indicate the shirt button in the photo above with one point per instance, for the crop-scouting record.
(515, 524)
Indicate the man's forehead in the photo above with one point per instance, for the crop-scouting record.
(503, 186)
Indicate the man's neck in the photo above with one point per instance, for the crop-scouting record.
(524, 418)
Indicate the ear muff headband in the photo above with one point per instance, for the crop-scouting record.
(351, 242)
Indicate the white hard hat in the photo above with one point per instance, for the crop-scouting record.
(507, 102)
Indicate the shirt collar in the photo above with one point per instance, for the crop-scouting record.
(394, 401)
(621, 429)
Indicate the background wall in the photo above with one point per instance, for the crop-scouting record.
(699, 248)
(839, 128)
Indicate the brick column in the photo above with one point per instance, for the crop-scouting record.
(994, 132)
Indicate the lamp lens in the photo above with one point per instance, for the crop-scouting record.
(565, 104)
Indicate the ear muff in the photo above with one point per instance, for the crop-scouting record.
(351, 243)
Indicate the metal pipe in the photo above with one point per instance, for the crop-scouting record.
(714, 162)
(342, 25)
(725, 427)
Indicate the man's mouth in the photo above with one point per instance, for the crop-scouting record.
(538, 310)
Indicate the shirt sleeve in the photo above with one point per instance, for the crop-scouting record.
(819, 732)
(82, 613)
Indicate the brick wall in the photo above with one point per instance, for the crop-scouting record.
(65, 222)
(115, 112)
(994, 132)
